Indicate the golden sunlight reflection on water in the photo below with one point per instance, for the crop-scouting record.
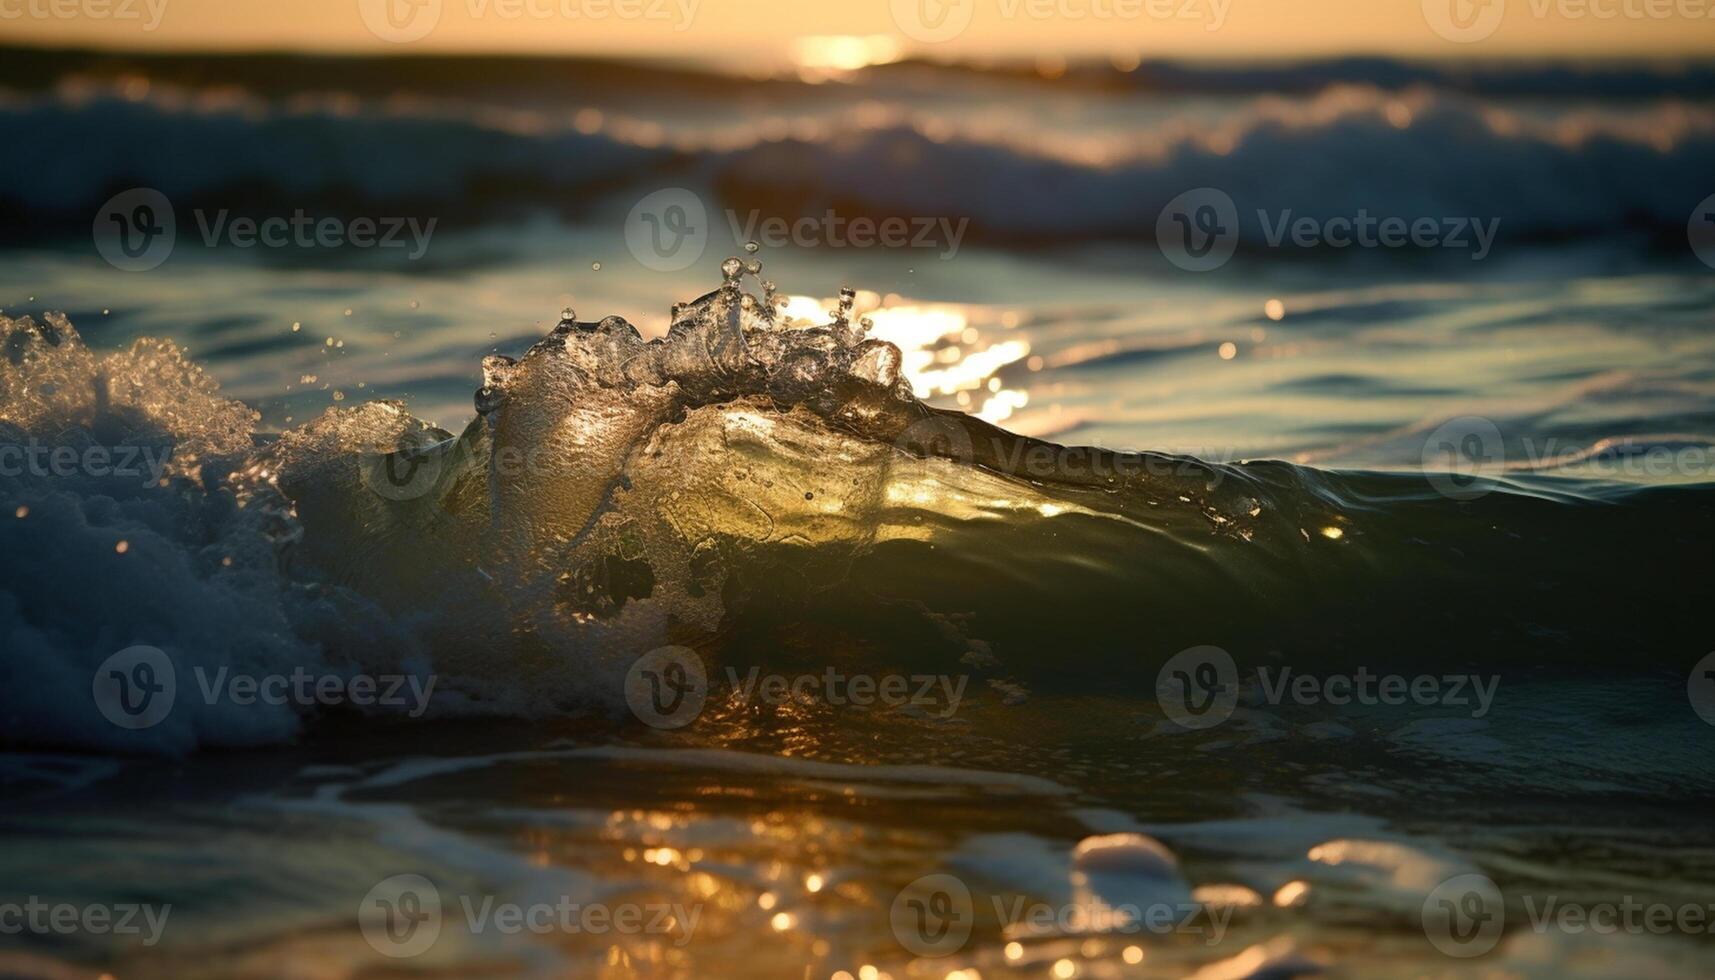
(943, 352)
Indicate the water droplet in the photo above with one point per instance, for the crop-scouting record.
(754, 268)
(297, 327)
(731, 268)
(752, 247)
(568, 315)
(595, 266)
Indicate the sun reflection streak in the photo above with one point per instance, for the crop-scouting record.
(941, 352)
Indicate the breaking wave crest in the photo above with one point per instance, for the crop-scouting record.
(753, 486)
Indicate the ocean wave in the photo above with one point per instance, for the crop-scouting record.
(730, 486)
(1348, 152)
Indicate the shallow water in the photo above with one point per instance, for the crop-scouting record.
(1043, 603)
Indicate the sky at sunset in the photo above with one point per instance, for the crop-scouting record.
(770, 30)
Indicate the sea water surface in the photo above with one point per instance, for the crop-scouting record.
(1564, 376)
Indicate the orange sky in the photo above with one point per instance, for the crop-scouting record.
(767, 28)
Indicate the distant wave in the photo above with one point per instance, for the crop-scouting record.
(1350, 149)
(1417, 155)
